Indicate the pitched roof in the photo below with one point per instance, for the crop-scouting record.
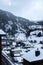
(30, 56)
(2, 33)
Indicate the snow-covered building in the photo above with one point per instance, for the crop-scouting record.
(33, 57)
(2, 33)
(35, 27)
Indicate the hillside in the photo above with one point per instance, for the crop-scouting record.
(40, 22)
(13, 24)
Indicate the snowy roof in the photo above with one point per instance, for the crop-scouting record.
(19, 59)
(2, 33)
(30, 56)
(38, 39)
(16, 49)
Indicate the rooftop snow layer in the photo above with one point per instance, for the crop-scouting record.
(2, 32)
(30, 56)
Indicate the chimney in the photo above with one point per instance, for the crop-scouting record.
(37, 52)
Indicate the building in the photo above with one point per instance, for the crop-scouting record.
(33, 57)
(2, 33)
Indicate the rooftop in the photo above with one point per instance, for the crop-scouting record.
(30, 56)
(2, 32)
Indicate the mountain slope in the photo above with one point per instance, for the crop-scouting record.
(12, 24)
(40, 22)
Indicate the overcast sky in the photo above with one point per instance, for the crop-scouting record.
(30, 9)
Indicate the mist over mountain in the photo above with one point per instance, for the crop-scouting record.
(13, 24)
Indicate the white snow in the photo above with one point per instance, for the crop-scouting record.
(19, 59)
(30, 56)
(20, 36)
(7, 52)
(2, 32)
(38, 39)
(38, 46)
(10, 22)
(35, 27)
(14, 43)
(6, 48)
(29, 53)
(36, 32)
